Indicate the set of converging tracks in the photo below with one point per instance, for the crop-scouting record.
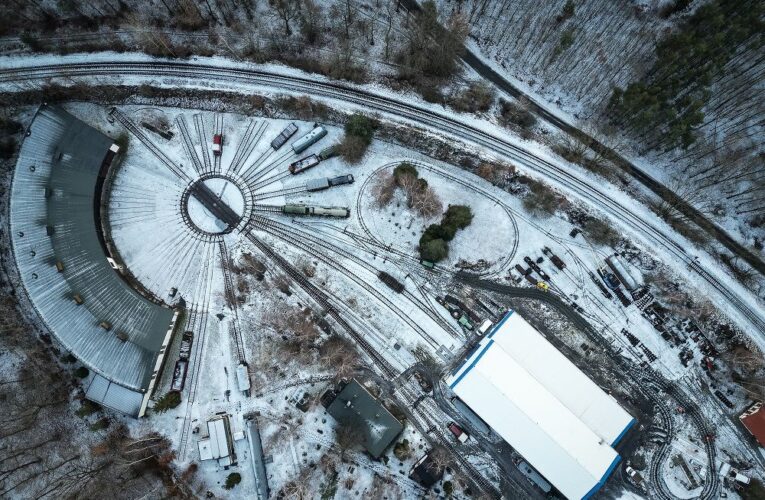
(197, 315)
(409, 112)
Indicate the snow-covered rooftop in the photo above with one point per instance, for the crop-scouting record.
(61, 259)
(543, 406)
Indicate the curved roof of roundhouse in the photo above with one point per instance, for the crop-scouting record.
(53, 219)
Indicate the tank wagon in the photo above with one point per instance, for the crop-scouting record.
(299, 209)
(284, 136)
(325, 182)
(309, 139)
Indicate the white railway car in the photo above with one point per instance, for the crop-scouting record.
(309, 139)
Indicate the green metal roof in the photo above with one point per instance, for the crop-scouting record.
(354, 405)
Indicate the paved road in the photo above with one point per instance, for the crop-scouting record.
(709, 227)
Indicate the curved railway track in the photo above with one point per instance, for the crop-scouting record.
(410, 113)
(309, 244)
(413, 113)
(639, 377)
(323, 300)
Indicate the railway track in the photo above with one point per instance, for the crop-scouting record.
(199, 126)
(309, 244)
(188, 144)
(654, 473)
(273, 209)
(246, 145)
(234, 330)
(281, 192)
(410, 113)
(197, 323)
(153, 148)
(424, 421)
(638, 376)
(323, 301)
(511, 214)
(257, 171)
(218, 129)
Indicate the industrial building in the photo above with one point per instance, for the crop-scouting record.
(65, 267)
(754, 421)
(218, 445)
(538, 401)
(353, 405)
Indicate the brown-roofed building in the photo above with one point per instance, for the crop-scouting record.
(754, 421)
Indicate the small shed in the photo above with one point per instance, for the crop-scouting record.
(218, 444)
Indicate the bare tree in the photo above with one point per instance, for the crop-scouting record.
(348, 435)
(286, 10)
(419, 196)
(312, 21)
(383, 189)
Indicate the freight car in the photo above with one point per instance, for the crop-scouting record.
(217, 145)
(186, 341)
(392, 282)
(299, 209)
(304, 164)
(557, 261)
(179, 375)
(284, 136)
(309, 139)
(325, 182)
(341, 179)
(317, 184)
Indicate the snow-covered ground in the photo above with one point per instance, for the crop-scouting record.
(164, 252)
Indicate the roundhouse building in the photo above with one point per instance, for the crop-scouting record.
(60, 252)
(537, 400)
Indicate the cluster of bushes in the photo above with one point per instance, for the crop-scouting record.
(419, 196)
(566, 41)
(669, 101)
(170, 400)
(600, 231)
(431, 52)
(359, 131)
(434, 242)
(496, 173)
(566, 13)
(540, 199)
(8, 144)
(478, 97)
(232, 480)
(303, 107)
(516, 114)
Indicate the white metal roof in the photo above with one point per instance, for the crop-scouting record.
(218, 438)
(543, 406)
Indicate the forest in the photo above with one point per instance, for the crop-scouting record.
(677, 84)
